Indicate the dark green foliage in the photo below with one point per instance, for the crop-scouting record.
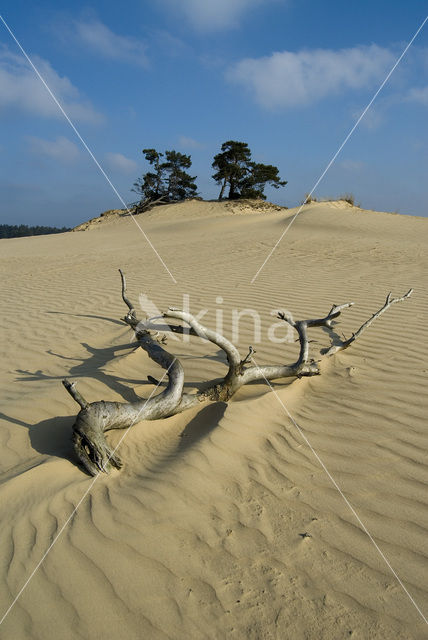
(18, 231)
(232, 166)
(168, 180)
(260, 175)
(179, 184)
(245, 178)
(348, 197)
(151, 184)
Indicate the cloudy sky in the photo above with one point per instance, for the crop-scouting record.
(290, 77)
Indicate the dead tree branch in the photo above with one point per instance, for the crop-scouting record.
(344, 344)
(147, 204)
(95, 418)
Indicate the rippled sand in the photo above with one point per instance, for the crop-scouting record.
(201, 534)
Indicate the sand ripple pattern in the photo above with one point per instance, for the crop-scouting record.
(201, 535)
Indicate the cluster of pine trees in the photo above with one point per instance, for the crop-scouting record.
(168, 181)
(235, 172)
(21, 230)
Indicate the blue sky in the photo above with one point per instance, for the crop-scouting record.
(290, 77)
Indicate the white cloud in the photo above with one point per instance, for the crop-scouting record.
(289, 79)
(352, 165)
(418, 94)
(119, 162)
(61, 149)
(215, 14)
(189, 143)
(169, 44)
(20, 88)
(373, 118)
(98, 37)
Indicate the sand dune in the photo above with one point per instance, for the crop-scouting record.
(201, 534)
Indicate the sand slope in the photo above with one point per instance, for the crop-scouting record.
(199, 536)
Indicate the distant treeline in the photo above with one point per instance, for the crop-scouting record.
(18, 231)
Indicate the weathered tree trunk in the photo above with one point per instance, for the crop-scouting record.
(149, 203)
(223, 189)
(232, 189)
(95, 418)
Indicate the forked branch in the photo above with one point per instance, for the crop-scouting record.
(344, 344)
(95, 418)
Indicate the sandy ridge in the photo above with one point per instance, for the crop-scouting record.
(199, 536)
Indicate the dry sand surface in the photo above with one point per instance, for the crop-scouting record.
(199, 535)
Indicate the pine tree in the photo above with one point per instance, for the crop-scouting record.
(168, 181)
(260, 175)
(179, 184)
(232, 167)
(245, 178)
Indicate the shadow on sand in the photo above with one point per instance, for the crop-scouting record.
(52, 437)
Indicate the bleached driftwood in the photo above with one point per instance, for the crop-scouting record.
(95, 418)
